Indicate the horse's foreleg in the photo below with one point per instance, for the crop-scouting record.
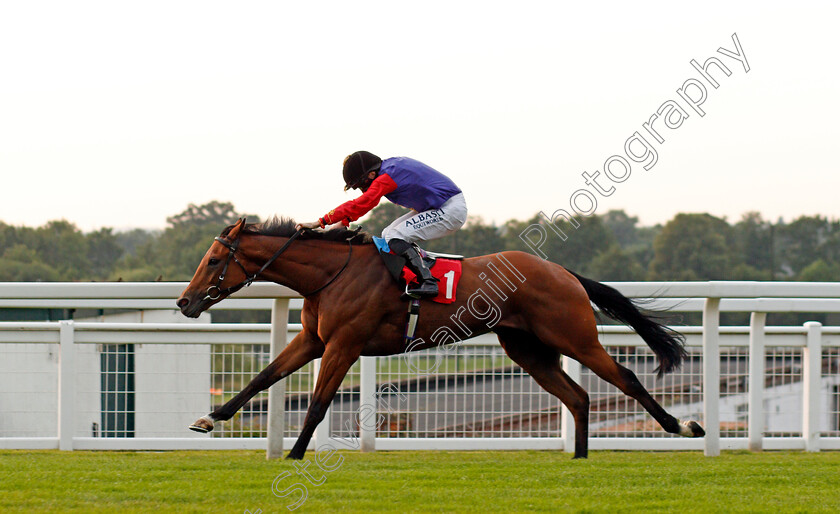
(543, 364)
(334, 366)
(301, 350)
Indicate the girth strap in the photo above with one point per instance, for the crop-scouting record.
(411, 324)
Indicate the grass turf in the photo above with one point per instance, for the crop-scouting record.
(407, 481)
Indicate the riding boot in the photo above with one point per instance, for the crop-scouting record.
(427, 287)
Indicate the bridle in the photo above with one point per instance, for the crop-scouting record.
(234, 246)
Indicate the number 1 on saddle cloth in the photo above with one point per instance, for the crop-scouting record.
(446, 270)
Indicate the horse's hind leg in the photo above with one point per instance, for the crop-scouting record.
(596, 358)
(543, 364)
(302, 349)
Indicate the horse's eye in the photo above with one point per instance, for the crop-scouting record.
(214, 262)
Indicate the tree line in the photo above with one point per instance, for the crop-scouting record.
(608, 247)
(614, 247)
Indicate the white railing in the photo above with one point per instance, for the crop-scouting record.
(810, 348)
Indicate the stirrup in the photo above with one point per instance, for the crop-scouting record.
(415, 294)
(409, 296)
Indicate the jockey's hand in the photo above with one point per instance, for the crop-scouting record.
(314, 224)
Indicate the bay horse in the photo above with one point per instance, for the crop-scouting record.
(538, 309)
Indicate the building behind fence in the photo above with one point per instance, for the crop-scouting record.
(136, 380)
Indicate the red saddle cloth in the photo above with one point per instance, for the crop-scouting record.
(448, 273)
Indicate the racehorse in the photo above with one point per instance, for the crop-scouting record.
(538, 309)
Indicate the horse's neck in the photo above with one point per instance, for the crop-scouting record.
(306, 265)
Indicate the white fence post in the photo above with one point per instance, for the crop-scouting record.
(755, 423)
(368, 420)
(567, 421)
(711, 375)
(277, 392)
(66, 385)
(323, 430)
(811, 378)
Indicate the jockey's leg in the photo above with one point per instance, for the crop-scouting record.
(415, 227)
(427, 286)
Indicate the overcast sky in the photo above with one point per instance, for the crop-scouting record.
(119, 114)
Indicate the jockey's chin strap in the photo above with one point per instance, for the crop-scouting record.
(215, 292)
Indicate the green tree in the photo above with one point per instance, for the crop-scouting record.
(755, 243)
(803, 241)
(131, 240)
(609, 247)
(8, 235)
(694, 247)
(636, 242)
(215, 213)
(623, 227)
(103, 252)
(176, 252)
(616, 264)
(22, 264)
(63, 247)
(586, 237)
(820, 271)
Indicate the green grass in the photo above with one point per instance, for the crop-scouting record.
(511, 481)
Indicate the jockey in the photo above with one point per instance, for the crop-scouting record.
(437, 207)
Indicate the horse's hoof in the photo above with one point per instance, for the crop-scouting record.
(691, 429)
(203, 425)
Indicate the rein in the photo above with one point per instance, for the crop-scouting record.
(234, 246)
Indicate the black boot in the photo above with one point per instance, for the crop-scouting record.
(427, 287)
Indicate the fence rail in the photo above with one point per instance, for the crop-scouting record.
(467, 397)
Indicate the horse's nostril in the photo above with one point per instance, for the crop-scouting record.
(183, 302)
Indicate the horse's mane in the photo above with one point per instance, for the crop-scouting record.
(285, 227)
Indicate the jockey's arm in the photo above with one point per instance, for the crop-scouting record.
(355, 209)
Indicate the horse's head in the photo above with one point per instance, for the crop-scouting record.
(218, 275)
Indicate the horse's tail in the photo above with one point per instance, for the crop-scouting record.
(666, 343)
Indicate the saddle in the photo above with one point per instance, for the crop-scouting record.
(445, 268)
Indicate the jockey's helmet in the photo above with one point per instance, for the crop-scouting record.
(356, 167)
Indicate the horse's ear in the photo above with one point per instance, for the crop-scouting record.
(234, 232)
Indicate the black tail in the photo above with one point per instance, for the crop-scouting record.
(667, 344)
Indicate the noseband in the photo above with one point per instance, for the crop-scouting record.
(215, 292)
